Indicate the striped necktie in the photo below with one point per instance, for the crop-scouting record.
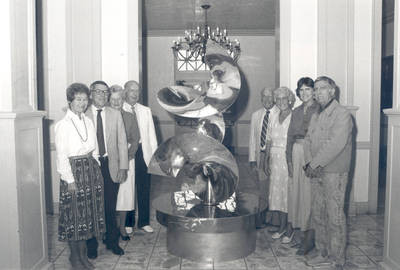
(264, 130)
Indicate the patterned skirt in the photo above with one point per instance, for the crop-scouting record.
(82, 210)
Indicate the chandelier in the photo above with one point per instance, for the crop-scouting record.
(195, 40)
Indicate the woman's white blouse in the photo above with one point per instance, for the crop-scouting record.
(69, 143)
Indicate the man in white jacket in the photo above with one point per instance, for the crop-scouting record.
(147, 146)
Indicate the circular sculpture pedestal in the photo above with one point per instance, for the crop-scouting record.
(204, 233)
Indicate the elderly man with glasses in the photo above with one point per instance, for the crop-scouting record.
(112, 148)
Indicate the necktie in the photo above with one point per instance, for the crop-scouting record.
(264, 130)
(134, 114)
(100, 134)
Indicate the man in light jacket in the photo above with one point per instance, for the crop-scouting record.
(147, 146)
(328, 146)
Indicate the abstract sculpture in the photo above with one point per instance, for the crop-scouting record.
(207, 219)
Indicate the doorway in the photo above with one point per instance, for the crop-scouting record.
(386, 95)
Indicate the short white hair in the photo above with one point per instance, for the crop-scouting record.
(287, 92)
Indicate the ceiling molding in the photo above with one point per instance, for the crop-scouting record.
(239, 32)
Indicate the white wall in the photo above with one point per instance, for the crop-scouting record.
(86, 41)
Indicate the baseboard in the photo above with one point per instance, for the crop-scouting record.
(358, 208)
(388, 264)
(56, 208)
(47, 266)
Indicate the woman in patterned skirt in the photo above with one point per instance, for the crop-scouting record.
(81, 184)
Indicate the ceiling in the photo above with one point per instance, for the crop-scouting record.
(235, 15)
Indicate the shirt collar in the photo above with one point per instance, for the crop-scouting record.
(73, 116)
(128, 106)
(328, 108)
(313, 106)
(94, 109)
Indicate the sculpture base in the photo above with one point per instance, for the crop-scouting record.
(208, 233)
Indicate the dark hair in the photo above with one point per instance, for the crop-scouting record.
(307, 81)
(93, 84)
(76, 88)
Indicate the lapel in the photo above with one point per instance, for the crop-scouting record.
(89, 113)
(108, 115)
(260, 122)
(140, 118)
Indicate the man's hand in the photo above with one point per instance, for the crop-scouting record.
(72, 187)
(290, 169)
(121, 175)
(253, 165)
(312, 173)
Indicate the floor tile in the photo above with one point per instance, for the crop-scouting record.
(261, 263)
(293, 263)
(352, 250)
(149, 251)
(359, 262)
(191, 265)
(373, 250)
(231, 265)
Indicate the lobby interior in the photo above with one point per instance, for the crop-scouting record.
(50, 44)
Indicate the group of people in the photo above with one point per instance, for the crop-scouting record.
(104, 144)
(302, 159)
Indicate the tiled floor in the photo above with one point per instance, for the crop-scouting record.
(148, 251)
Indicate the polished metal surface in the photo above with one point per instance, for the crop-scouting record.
(194, 158)
(207, 98)
(207, 219)
(212, 126)
(200, 233)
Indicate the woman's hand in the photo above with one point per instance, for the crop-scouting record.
(290, 169)
(72, 187)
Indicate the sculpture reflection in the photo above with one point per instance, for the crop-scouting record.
(207, 98)
(197, 160)
(212, 126)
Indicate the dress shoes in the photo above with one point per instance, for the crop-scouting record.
(273, 230)
(116, 249)
(261, 226)
(147, 229)
(125, 237)
(92, 253)
(319, 261)
(278, 235)
(288, 239)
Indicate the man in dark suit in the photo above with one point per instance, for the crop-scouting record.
(112, 152)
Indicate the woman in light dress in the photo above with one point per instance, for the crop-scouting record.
(126, 192)
(299, 199)
(276, 151)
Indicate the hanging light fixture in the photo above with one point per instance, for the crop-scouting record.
(195, 40)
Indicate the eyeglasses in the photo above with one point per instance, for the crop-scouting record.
(100, 92)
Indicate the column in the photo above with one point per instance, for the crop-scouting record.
(23, 231)
(391, 252)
